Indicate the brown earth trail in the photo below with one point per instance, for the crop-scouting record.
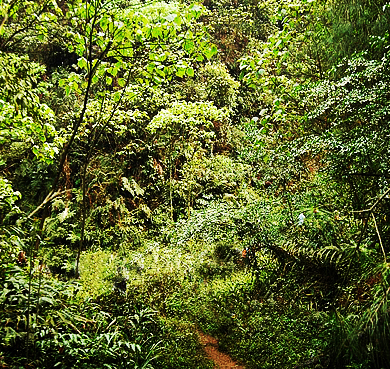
(221, 360)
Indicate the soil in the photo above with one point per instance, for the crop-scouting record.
(221, 360)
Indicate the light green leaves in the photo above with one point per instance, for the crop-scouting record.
(23, 118)
(171, 17)
(181, 72)
(209, 52)
(189, 123)
(196, 11)
(82, 63)
(157, 32)
(107, 39)
(73, 84)
(189, 46)
(24, 19)
(121, 82)
(8, 196)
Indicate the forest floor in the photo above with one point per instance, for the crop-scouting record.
(220, 359)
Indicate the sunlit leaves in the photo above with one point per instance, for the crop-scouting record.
(196, 11)
(157, 32)
(72, 83)
(189, 46)
(23, 118)
(134, 33)
(210, 52)
(190, 123)
(82, 63)
(26, 20)
(181, 72)
(8, 196)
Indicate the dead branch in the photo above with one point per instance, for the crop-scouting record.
(379, 236)
(373, 206)
(52, 195)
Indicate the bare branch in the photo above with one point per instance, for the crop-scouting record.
(379, 236)
(51, 196)
(375, 204)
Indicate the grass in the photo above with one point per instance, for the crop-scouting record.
(192, 288)
(96, 272)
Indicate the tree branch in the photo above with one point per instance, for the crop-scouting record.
(373, 206)
(52, 195)
(379, 236)
(369, 212)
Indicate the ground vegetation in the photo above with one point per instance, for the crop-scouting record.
(174, 173)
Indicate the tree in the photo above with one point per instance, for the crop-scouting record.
(182, 130)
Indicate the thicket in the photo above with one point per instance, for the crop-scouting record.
(169, 168)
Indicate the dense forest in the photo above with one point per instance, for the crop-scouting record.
(170, 169)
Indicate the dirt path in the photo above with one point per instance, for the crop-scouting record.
(221, 360)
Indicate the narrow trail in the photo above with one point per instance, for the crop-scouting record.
(221, 360)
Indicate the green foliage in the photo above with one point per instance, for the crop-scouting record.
(8, 197)
(215, 84)
(11, 237)
(355, 25)
(312, 38)
(23, 117)
(158, 11)
(360, 327)
(60, 228)
(281, 55)
(189, 125)
(61, 337)
(96, 272)
(121, 42)
(182, 130)
(212, 223)
(350, 117)
(110, 347)
(212, 176)
(258, 141)
(60, 103)
(148, 99)
(18, 320)
(182, 347)
(26, 23)
(172, 168)
(234, 24)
